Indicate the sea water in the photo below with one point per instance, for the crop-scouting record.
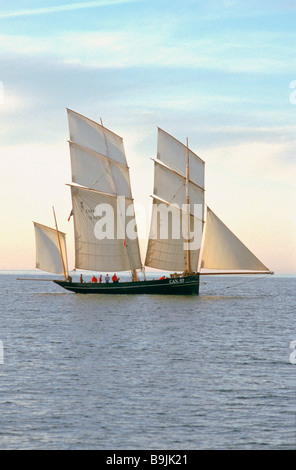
(148, 372)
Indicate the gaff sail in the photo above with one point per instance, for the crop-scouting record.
(99, 167)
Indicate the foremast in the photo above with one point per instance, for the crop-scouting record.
(100, 180)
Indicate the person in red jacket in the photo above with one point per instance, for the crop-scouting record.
(94, 279)
(115, 278)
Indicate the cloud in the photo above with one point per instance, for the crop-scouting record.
(257, 160)
(61, 8)
(233, 9)
(10, 102)
(129, 48)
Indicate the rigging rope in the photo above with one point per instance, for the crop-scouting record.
(248, 280)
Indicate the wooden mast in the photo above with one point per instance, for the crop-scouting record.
(187, 210)
(60, 247)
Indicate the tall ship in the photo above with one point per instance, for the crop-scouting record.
(186, 238)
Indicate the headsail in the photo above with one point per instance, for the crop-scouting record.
(48, 255)
(222, 250)
(167, 251)
(99, 166)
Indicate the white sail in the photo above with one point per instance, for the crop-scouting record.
(100, 227)
(170, 252)
(95, 171)
(98, 162)
(222, 250)
(91, 135)
(167, 244)
(174, 154)
(171, 187)
(48, 255)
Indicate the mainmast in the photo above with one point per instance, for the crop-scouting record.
(178, 180)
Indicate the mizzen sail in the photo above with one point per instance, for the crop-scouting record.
(51, 253)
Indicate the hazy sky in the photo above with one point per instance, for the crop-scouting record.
(218, 72)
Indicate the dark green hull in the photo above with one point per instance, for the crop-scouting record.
(175, 286)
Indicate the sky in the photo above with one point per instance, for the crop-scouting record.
(222, 73)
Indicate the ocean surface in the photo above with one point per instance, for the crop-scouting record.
(148, 372)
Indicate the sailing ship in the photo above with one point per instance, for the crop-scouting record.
(196, 242)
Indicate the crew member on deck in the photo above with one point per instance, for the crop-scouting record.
(81, 278)
(107, 278)
(115, 278)
(100, 278)
(94, 279)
